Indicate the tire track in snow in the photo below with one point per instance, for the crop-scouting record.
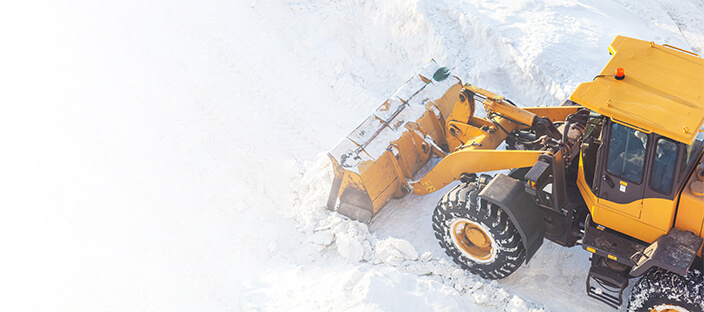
(687, 15)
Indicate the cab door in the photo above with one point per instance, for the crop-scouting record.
(622, 169)
(663, 181)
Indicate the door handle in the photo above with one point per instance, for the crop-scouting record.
(608, 181)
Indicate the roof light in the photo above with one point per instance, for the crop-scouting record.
(620, 74)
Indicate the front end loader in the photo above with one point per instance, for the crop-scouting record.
(617, 169)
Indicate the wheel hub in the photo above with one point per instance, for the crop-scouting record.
(473, 239)
(476, 236)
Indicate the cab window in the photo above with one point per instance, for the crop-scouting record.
(686, 159)
(689, 153)
(664, 166)
(626, 153)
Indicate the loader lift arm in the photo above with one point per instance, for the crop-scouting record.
(431, 116)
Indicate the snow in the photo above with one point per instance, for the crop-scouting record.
(170, 156)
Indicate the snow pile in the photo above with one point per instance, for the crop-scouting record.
(390, 257)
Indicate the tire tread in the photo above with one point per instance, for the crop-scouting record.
(463, 202)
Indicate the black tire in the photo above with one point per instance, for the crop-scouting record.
(461, 208)
(660, 289)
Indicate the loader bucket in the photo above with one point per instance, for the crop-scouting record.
(372, 164)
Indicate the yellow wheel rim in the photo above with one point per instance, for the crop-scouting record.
(473, 239)
(668, 308)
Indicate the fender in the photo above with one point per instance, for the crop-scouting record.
(509, 194)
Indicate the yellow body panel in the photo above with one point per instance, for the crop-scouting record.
(662, 92)
(658, 212)
(627, 218)
(690, 215)
(555, 113)
(649, 218)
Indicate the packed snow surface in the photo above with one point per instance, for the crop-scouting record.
(171, 155)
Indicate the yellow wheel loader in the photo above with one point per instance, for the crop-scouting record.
(617, 169)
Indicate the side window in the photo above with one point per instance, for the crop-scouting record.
(686, 159)
(626, 153)
(687, 156)
(664, 166)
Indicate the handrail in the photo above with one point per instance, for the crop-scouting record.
(681, 50)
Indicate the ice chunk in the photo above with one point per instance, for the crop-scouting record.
(517, 305)
(394, 251)
(350, 248)
(323, 238)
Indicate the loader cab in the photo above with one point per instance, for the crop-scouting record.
(647, 109)
(635, 176)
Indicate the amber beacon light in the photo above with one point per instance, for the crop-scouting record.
(620, 74)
